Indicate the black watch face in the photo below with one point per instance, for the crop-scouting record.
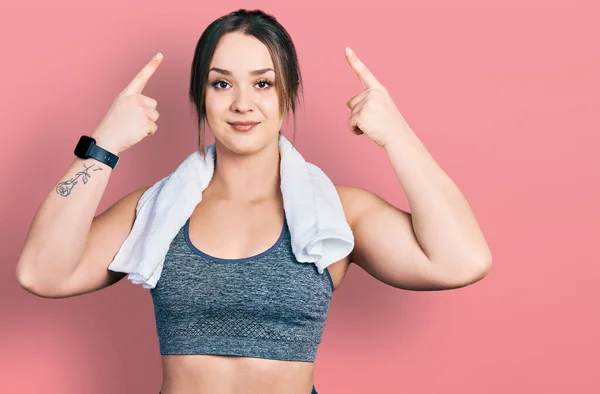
(84, 146)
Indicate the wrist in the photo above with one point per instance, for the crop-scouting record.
(106, 144)
(401, 138)
(99, 149)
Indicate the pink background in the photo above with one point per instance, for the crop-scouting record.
(506, 97)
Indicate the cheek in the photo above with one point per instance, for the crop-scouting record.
(215, 104)
(270, 105)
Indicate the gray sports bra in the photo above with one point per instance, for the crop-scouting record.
(267, 306)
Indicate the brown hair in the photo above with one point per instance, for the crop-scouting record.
(266, 29)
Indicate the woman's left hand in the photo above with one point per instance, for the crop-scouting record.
(373, 111)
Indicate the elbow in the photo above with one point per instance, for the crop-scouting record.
(26, 281)
(26, 274)
(482, 269)
(478, 269)
(485, 263)
(29, 282)
(466, 272)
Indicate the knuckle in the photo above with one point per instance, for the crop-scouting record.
(121, 98)
(130, 99)
(141, 74)
(153, 114)
(148, 101)
(140, 100)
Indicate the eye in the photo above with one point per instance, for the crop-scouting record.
(265, 81)
(218, 84)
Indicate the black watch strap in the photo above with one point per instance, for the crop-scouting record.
(87, 148)
(103, 156)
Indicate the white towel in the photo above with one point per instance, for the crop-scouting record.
(319, 231)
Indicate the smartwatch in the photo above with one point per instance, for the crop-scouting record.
(86, 148)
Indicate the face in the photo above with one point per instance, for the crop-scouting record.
(242, 89)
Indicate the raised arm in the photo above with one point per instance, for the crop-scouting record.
(67, 249)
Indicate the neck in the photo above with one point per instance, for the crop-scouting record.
(246, 178)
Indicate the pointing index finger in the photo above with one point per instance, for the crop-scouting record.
(142, 78)
(367, 78)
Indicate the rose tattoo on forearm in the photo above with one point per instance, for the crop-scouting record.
(64, 188)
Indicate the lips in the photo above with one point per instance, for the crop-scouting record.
(243, 126)
(243, 123)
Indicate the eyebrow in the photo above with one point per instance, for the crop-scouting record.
(227, 72)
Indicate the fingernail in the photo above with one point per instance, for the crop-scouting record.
(158, 55)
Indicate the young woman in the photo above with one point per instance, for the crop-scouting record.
(235, 312)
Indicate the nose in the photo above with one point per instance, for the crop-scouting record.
(242, 100)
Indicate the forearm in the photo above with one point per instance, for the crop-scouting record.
(59, 229)
(443, 221)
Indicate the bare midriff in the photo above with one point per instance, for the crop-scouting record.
(216, 374)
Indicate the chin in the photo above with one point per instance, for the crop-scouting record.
(249, 142)
(242, 144)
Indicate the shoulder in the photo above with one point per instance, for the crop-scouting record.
(131, 200)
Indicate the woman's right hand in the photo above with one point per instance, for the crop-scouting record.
(131, 117)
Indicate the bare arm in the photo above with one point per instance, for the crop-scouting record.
(57, 235)
(439, 244)
(388, 248)
(67, 249)
(107, 233)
